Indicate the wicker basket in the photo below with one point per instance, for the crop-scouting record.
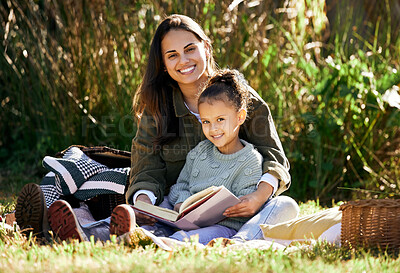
(110, 157)
(371, 223)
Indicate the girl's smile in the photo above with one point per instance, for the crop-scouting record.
(221, 122)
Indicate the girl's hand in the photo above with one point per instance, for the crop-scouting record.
(250, 203)
(143, 219)
(248, 206)
(177, 207)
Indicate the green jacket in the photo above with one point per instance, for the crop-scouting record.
(158, 170)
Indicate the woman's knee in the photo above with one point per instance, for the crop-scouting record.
(277, 210)
(288, 206)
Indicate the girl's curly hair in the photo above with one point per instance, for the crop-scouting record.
(227, 83)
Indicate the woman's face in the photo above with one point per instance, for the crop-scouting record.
(185, 57)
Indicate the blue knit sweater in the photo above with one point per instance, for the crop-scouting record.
(205, 166)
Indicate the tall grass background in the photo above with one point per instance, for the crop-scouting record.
(329, 71)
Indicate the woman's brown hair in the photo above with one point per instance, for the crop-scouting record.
(155, 92)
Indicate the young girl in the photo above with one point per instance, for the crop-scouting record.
(221, 159)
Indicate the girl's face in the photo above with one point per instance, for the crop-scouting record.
(221, 123)
(185, 57)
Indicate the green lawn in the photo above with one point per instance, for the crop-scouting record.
(20, 254)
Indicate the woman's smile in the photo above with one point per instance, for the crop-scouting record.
(185, 58)
(187, 70)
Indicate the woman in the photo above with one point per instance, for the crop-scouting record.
(179, 64)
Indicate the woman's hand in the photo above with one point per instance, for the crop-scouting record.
(250, 203)
(143, 219)
(177, 207)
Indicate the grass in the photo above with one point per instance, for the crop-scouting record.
(21, 254)
(87, 257)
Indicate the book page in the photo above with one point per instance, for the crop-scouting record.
(210, 211)
(197, 197)
(206, 211)
(156, 210)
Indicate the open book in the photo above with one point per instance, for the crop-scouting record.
(202, 209)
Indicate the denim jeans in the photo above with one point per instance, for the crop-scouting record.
(205, 234)
(275, 210)
(99, 229)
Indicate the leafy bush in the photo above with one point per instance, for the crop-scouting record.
(69, 70)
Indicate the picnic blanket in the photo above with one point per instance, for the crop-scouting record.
(308, 230)
(77, 174)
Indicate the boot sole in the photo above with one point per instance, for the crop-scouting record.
(122, 220)
(31, 210)
(64, 223)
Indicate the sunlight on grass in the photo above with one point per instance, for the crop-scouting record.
(26, 255)
(21, 254)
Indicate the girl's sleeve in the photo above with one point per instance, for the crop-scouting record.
(180, 191)
(259, 129)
